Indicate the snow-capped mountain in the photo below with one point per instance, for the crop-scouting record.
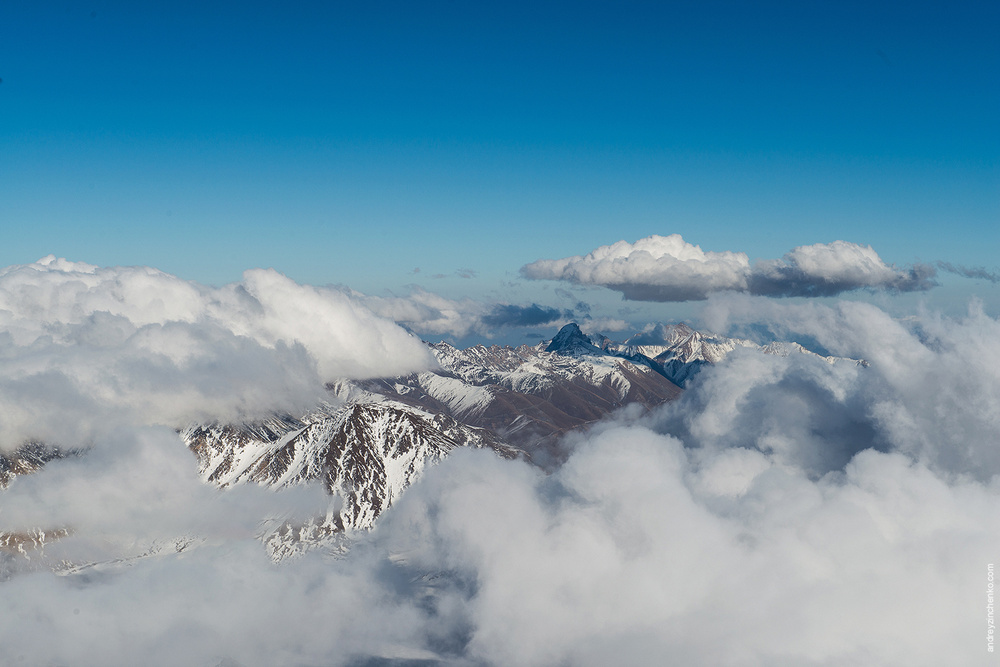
(528, 395)
(681, 352)
(364, 452)
(381, 434)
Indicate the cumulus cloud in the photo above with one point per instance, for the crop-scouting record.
(426, 312)
(637, 552)
(933, 389)
(667, 268)
(828, 269)
(657, 268)
(597, 325)
(134, 488)
(84, 347)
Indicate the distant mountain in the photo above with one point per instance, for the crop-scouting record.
(528, 395)
(571, 341)
(681, 352)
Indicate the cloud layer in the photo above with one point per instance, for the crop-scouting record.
(667, 268)
(933, 391)
(784, 511)
(84, 347)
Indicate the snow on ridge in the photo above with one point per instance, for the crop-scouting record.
(366, 453)
(459, 396)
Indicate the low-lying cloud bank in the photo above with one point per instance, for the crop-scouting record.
(85, 347)
(784, 511)
(667, 268)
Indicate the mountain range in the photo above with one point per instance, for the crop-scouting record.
(373, 438)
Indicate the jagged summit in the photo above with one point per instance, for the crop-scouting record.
(572, 341)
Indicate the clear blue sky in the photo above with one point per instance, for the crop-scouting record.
(351, 143)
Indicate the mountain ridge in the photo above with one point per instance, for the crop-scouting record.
(373, 438)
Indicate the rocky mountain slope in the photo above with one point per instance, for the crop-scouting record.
(27, 459)
(376, 437)
(528, 395)
(363, 452)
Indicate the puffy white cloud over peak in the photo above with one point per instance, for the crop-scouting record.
(343, 335)
(840, 261)
(83, 347)
(659, 268)
(827, 269)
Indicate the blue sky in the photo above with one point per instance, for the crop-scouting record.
(352, 143)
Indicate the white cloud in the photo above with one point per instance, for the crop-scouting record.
(827, 269)
(596, 325)
(634, 552)
(933, 389)
(135, 487)
(428, 313)
(659, 268)
(344, 336)
(83, 348)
